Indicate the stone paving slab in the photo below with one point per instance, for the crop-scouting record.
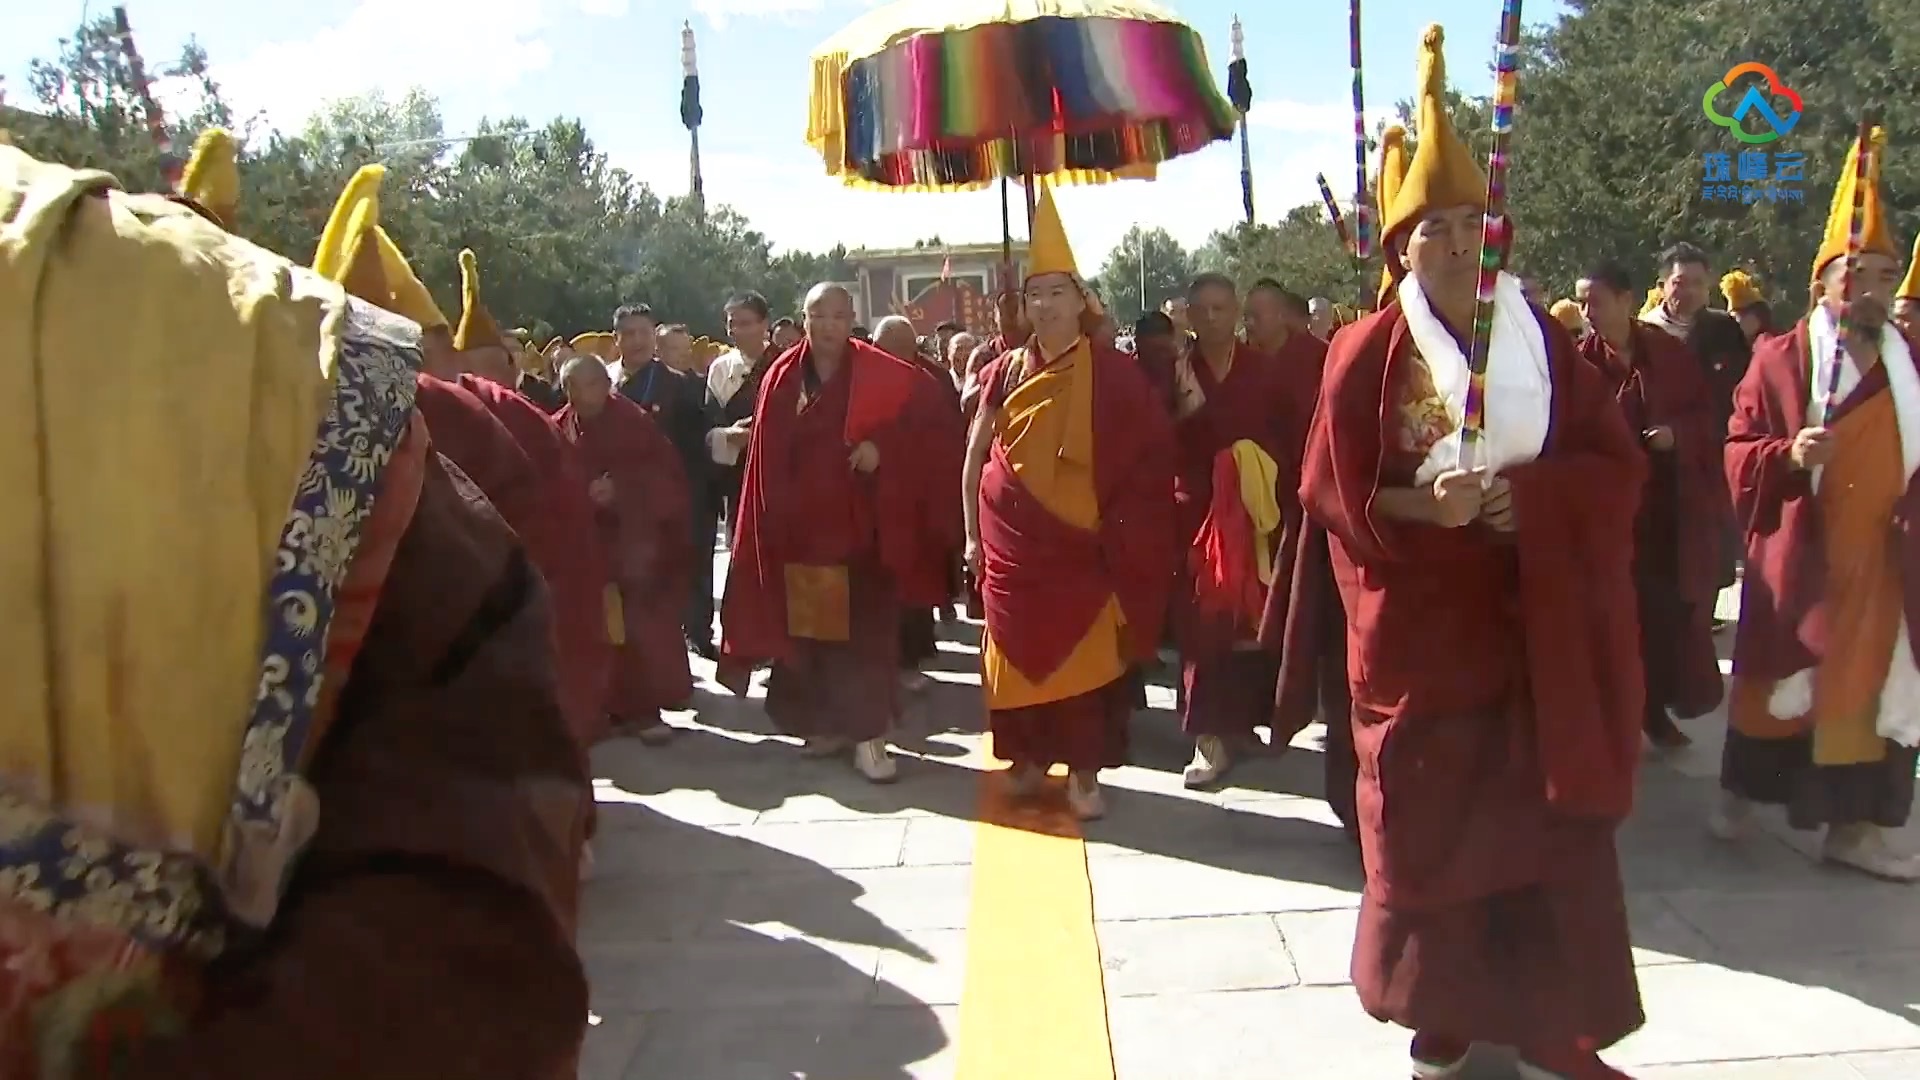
(756, 915)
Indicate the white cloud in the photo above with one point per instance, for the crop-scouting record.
(787, 196)
(720, 12)
(454, 46)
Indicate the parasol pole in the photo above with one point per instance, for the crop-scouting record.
(1142, 253)
(1843, 326)
(1362, 215)
(1006, 221)
(171, 167)
(1240, 92)
(691, 113)
(1496, 234)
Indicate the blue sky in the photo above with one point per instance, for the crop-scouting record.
(616, 65)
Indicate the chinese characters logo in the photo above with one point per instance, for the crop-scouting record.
(1753, 101)
(1751, 176)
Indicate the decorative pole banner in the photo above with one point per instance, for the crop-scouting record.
(1863, 172)
(1362, 214)
(171, 167)
(1333, 211)
(1497, 233)
(1240, 93)
(690, 111)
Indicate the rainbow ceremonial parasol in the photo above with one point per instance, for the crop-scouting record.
(953, 94)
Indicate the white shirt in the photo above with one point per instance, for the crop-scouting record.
(729, 370)
(724, 379)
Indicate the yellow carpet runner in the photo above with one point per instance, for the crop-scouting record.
(1034, 1005)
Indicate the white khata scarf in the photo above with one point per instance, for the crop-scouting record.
(1519, 389)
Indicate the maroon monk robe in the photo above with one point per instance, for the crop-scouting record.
(1496, 710)
(647, 532)
(427, 931)
(482, 449)
(1685, 514)
(1304, 621)
(1046, 581)
(1229, 686)
(567, 549)
(804, 507)
(1782, 627)
(919, 642)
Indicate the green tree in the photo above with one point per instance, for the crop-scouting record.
(1598, 173)
(90, 112)
(1301, 252)
(1144, 255)
(563, 237)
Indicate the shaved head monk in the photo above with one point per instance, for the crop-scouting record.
(1242, 418)
(641, 509)
(1488, 586)
(1825, 705)
(918, 640)
(1070, 532)
(1685, 513)
(846, 517)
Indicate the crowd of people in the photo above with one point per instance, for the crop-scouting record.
(1492, 585)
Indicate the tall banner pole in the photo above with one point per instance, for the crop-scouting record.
(1240, 93)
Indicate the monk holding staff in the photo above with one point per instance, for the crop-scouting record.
(1491, 642)
(1825, 705)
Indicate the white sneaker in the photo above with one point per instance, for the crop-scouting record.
(1864, 848)
(1083, 797)
(1730, 817)
(875, 762)
(1211, 761)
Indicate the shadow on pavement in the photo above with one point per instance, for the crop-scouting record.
(711, 955)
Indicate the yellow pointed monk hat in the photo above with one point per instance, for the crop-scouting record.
(1443, 173)
(1567, 313)
(1739, 290)
(349, 250)
(1875, 234)
(477, 329)
(211, 180)
(1049, 252)
(600, 343)
(411, 298)
(1910, 288)
(1386, 186)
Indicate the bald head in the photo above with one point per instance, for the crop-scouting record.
(829, 313)
(896, 335)
(827, 291)
(587, 384)
(1320, 317)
